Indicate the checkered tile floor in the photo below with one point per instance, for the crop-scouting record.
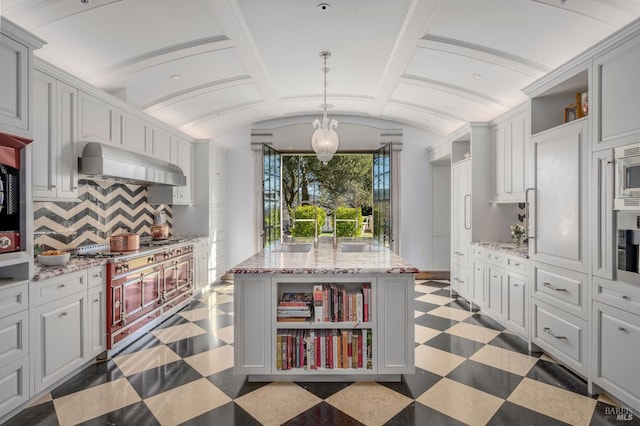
(469, 370)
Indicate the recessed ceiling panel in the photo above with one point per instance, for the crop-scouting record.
(214, 102)
(290, 35)
(545, 34)
(155, 84)
(101, 37)
(496, 83)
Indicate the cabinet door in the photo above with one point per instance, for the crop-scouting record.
(461, 201)
(60, 336)
(616, 112)
(184, 194)
(252, 306)
(516, 312)
(617, 348)
(96, 120)
(161, 145)
(560, 202)
(14, 83)
(97, 319)
(395, 328)
(499, 162)
(517, 160)
(134, 134)
(43, 153)
(479, 286)
(15, 385)
(602, 209)
(67, 137)
(495, 293)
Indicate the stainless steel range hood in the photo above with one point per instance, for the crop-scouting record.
(105, 162)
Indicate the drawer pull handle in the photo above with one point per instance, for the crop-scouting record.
(625, 297)
(516, 285)
(553, 288)
(63, 314)
(96, 300)
(61, 286)
(516, 264)
(495, 276)
(98, 275)
(622, 329)
(548, 331)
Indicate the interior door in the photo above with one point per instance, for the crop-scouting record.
(271, 196)
(382, 196)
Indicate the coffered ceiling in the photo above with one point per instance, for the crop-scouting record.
(211, 66)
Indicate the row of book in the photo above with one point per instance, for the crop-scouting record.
(294, 307)
(335, 303)
(316, 349)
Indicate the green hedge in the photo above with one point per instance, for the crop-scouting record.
(348, 229)
(307, 229)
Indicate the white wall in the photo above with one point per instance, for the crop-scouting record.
(415, 210)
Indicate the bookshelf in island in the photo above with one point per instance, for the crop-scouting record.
(324, 315)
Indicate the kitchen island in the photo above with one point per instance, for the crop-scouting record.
(361, 319)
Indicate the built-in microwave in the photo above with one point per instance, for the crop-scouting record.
(627, 177)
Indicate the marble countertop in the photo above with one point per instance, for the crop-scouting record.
(509, 248)
(42, 272)
(325, 260)
(74, 264)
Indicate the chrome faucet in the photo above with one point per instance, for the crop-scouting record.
(335, 228)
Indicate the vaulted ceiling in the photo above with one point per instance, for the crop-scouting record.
(211, 66)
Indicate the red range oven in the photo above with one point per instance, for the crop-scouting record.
(142, 288)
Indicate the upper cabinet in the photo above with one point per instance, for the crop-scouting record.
(560, 103)
(16, 49)
(135, 134)
(615, 75)
(511, 155)
(184, 160)
(54, 155)
(161, 145)
(97, 120)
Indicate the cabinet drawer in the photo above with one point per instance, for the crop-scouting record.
(97, 276)
(619, 342)
(55, 288)
(618, 294)
(14, 298)
(13, 337)
(561, 334)
(518, 265)
(479, 252)
(461, 253)
(15, 384)
(496, 257)
(562, 288)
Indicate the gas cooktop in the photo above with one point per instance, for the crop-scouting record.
(102, 251)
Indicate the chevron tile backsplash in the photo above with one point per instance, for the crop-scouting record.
(104, 208)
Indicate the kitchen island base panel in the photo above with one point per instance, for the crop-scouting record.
(324, 378)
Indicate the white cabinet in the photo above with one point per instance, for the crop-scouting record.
(616, 112)
(62, 337)
(97, 311)
(97, 120)
(496, 289)
(253, 306)
(161, 145)
(16, 49)
(135, 134)
(54, 152)
(603, 253)
(558, 219)
(461, 201)
(510, 158)
(201, 258)
(516, 304)
(479, 282)
(184, 194)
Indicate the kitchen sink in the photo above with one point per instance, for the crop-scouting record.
(356, 247)
(293, 248)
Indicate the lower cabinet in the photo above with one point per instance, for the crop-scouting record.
(15, 384)
(98, 320)
(201, 259)
(58, 333)
(515, 314)
(496, 290)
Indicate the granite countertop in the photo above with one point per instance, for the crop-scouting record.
(325, 260)
(509, 248)
(42, 272)
(74, 264)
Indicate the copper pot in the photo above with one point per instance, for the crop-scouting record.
(160, 232)
(124, 242)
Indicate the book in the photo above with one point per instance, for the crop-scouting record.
(318, 305)
(362, 332)
(279, 351)
(297, 297)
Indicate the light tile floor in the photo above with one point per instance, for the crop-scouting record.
(469, 370)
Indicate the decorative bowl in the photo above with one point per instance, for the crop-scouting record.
(52, 259)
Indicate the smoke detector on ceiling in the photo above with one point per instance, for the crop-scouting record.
(323, 7)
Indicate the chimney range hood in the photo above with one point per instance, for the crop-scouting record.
(105, 162)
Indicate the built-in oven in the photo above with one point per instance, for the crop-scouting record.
(628, 248)
(627, 177)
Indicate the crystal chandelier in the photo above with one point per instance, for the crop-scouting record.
(325, 139)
